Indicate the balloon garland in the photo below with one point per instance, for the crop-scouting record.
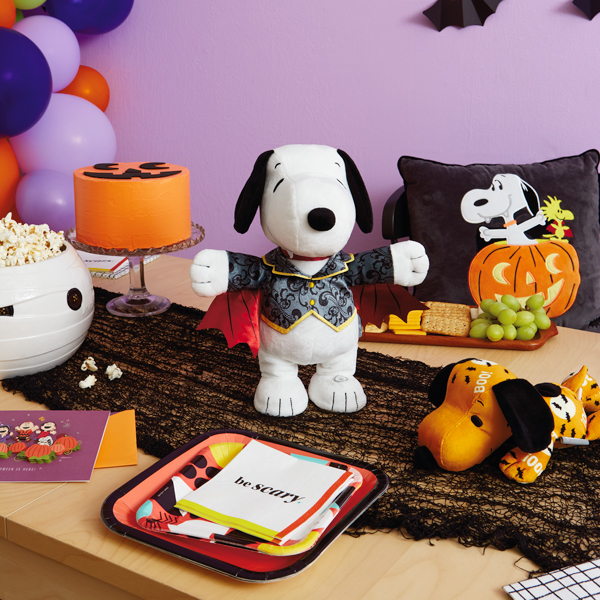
(52, 120)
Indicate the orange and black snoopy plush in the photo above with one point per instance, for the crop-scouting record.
(480, 405)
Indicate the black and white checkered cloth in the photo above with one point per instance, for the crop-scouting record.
(572, 583)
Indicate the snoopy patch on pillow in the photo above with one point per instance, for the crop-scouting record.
(530, 253)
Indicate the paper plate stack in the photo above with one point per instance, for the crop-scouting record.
(243, 504)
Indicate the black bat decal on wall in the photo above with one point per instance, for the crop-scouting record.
(589, 7)
(460, 13)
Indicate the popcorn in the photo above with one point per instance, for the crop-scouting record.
(22, 244)
(88, 382)
(89, 364)
(113, 372)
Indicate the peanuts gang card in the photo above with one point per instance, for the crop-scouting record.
(58, 445)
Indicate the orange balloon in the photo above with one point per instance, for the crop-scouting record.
(8, 13)
(89, 85)
(9, 170)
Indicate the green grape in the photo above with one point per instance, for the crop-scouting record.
(495, 333)
(485, 304)
(510, 332)
(536, 301)
(507, 316)
(526, 332)
(496, 308)
(524, 317)
(477, 321)
(542, 321)
(479, 330)
(486, 316)
(538, 311)
(511, 302)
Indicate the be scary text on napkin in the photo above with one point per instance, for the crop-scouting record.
(234, 498)
(259, 487)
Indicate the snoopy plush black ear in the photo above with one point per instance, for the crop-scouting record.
(437, 388)
(251, 195)
(526, 412)
(364, 212)
(439, 385)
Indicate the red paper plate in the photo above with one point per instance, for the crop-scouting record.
(119, 512)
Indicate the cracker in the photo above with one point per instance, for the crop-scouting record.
(446, 318)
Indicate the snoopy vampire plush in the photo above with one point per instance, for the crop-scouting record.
(310, 197)
(510, 198)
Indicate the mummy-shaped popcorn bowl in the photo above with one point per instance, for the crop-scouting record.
(46, 309)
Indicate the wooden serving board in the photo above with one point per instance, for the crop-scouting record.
(541, 337)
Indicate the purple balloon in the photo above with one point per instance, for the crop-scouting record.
(26, 83)
(57, 43)
(73, 133)
(91, 16)
(46, 197)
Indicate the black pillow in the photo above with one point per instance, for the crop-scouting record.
(433, 194)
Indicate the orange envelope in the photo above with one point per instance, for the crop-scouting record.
(119, 444)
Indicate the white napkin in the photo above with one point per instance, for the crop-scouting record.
(268, 493)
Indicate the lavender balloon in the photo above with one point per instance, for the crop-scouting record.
(72, 133)
(46, 197)
(58, 44)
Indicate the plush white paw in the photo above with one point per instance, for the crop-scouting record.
(337, 393)
(280, 396)
(411, 263)
(210, 273)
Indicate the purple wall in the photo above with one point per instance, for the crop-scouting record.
(210, 85)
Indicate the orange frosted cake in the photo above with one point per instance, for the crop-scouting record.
(132, 205)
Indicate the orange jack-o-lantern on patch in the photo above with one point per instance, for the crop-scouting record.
(550, 268)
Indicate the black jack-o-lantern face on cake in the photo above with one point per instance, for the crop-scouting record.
(148, 170)
(132, 205)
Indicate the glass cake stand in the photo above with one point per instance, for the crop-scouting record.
(138, 301)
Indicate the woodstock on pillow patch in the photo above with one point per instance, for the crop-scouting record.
(268, 494)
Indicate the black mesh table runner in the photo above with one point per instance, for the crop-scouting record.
(183, 382)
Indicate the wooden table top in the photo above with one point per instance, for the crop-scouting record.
(62, 521)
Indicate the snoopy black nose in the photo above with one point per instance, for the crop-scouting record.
(481, 202)
(321, 219)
